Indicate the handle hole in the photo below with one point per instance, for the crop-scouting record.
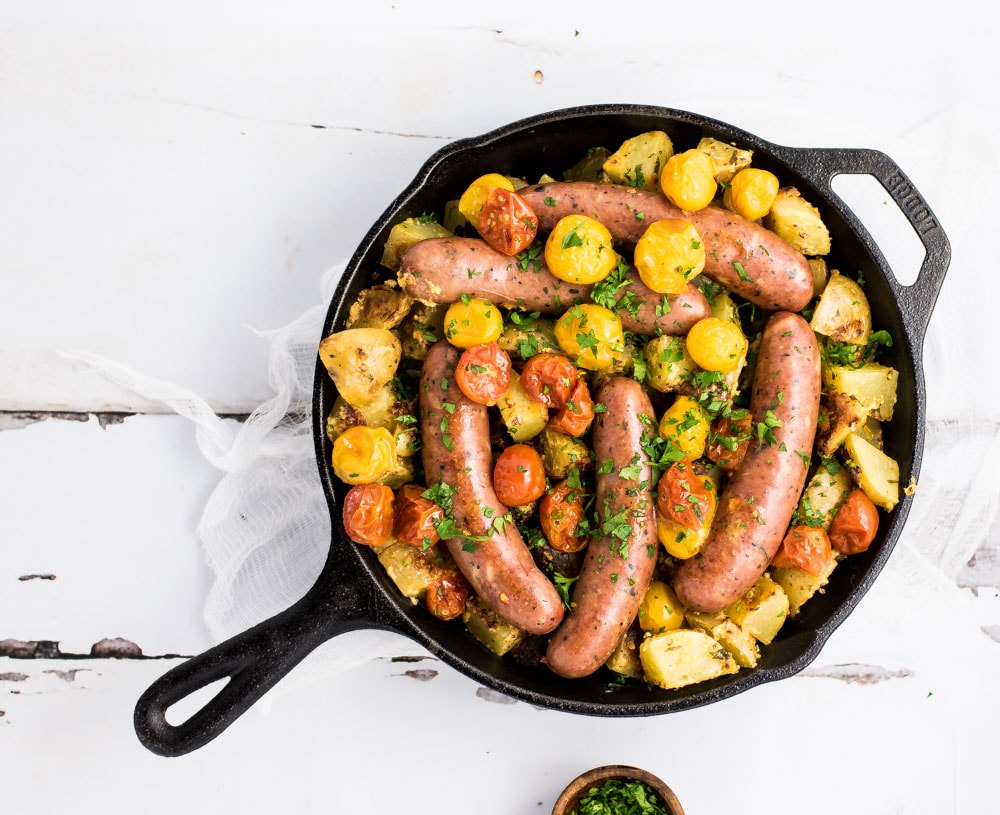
(183, 709)
(886, 223)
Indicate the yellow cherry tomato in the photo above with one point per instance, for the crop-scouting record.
(472, 321)
(475, 195)
(362, 454)
(679, 541)
(716, 344)
(668, 254)
(751, 193)
(592, 335)
(687, 425)
(688, 179)
(660, 609)
(579, 250)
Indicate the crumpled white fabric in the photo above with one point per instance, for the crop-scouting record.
(266, 528)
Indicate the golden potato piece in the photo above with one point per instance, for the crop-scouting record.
(406, 233)
(839, 414)
(799, 585)
(486, 626)
(637, 163)
(873, 385)
(728, 158)
(361, 362)
(735, 640)
(797, 221)
(382, 306)
(523, 416)
(877, 473)
(683, 657)
(761, 611)
(822, 496)
(843, 313)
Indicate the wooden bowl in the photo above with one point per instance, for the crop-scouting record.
(578, 788)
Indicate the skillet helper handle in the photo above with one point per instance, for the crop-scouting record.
(917, 299)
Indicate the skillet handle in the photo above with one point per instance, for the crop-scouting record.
(822, 165)
(256, 659)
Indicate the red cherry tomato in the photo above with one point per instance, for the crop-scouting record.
(549, 378)
(559, 512)
(728, 441)
(483, 373)
(575, 418)
(683, 496)
(506, 222)
(415, 517)
(368, 514)
(855, 524)
(446, 596)
(518, 475)
(806, 547)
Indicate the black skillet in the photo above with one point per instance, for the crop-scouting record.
(353, 592)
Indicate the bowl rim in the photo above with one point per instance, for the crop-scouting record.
(577, 788)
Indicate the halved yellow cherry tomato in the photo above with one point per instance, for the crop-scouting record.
(660, 609)
(751, 193)
(472, 321)
(688, 179)
(362, 454)
(716, 344)
(686, 423)
(579, 250)
(475, 195)
(668, 254)
(591, 334)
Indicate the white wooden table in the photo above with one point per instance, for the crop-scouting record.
(177, 176)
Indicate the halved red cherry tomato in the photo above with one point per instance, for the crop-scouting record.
(483, 373)
(855, 524)
(684, 496)
(506, 222)
(728, 440)
(415, 517)
(549, 378)
(575, 418)
(806, 547)
(559, 512)
(368, 514)
(446, 596)
(519, 475)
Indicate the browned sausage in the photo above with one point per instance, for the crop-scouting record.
(441, 270)
(743, 256)
(456, 452)
(617, 567)
(756, 506)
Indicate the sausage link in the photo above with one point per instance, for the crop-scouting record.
(742, 255)
(618, 567)
(441, 270)
(456, 452)
(757, 504)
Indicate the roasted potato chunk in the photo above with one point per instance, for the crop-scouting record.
(525, 335)
(669, 366)
(799, 222)
(683, 657)
(422, 327)
(625, 659)
(590, 167)
(729, 159)
(876, 473)
(382, 306)
(823, 494)
(843, 313)
(872, 385)
(561, 453)
(487, 627)
(735, 640)
(406, 233)
(799, 585)
(637, 163)
(361, 362)
(839, 414)
(413, 569)
(523, 416)
(761, 611)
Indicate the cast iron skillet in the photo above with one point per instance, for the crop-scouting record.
(353, 592)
